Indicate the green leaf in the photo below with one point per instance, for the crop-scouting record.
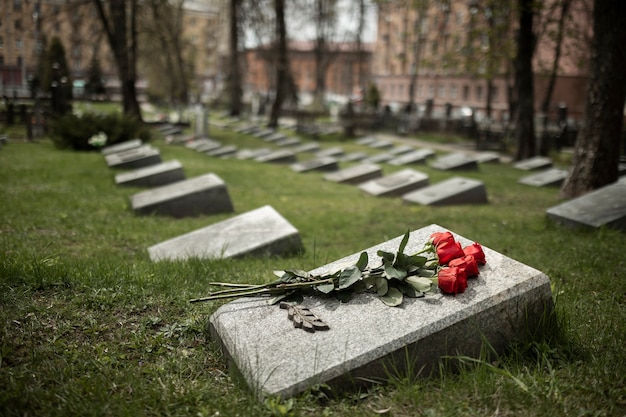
(417, 260)
(279, 273)
(419, 283)
(370, 281)
(395, 273)
(344, 296)
(408, 290)
(393, 297)
(405, 240)
(382, 286)
(298, 273)
(363, 261)
(427, 273)
(325, 288)
(348, 277)
(387, 256)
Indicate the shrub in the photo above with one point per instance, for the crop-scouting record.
(71, 131)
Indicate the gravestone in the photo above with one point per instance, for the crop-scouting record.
(367, 140)
(172, 130)
(180, 139)
(153, 175)
(205, 194)
(260, 232)
(418, 156)
(140, 157)
(401, 149)
(395, 184)
(456, 161)
(452, 191)
(288, 142)
(381, 144)
(356, 174)
(334, 151)
(505, 304)
(354, 156)
(536, 162)
(552, 177)
(379, 157)
(307, 147)
(203, 144)
(223, 151)
(121, 147)
(281, 156)
(275, 137)
(317, 164)
(605, 206)
(264, 133)
(486, 157)
(252, 153)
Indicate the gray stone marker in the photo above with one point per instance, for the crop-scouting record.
(180, 139)
(223, 151)
(121, 147)
(418, 156)
(356, 174)
(334, 151)
(140, 157)
(455, 161)
(264, 133)
(486, 157)
(281, 156)
(327, 163)
(203, 144)
(252, 153)
(367, 140)
(605, 206)
(275, 137)
(307, 147)
(260, 232)
(288, 142)
(553, 177)
(381, 144)
(354, 156)
(205, 194)
(396, 184)
(153, 175)
(505, 304)
(379, 157)
(456, 190)
(401, 149)
(536, 162)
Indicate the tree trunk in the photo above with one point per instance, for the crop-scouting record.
(235, 71)
(525, 126)
(596, 155)
(282, 64)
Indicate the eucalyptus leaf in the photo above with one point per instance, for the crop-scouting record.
(278, 273)
(419, 283)
(417, 260)
(325, 288)
(369, 281)
(393, 297)
(409, 291)
(405, 240)
(348, 277)
(427, 273)
(382, 286)
(298, 272)
(387, 256)
(395, 273)
(363, 261)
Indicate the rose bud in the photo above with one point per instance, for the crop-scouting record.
(476, 251)
(468, 263)
(452, 280)
(439, 237)
(449, 250)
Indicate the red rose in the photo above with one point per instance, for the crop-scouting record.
(468, 263)
(476, 251)
(439, 237)
(452, 280)
(449, 250)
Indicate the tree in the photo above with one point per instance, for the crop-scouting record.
(525, 125)
(234, 78)
(55, 77)
(282, 63)
(94, 84)
(596, 155)
(119, 24)
(325, 26)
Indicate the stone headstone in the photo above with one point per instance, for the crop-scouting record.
(203, 145)
(379, 157)
(121, 147)
(552, 177)
(381, 144)
(452, 191)
(264, 133)
(172, 130)
(356, 174)
(395, 184)
(367, 140)
(536, 162)
(153, 175)
(205, 194)
(260, 232)
(506, 303)
(275, 137)
(401, 149)
(252, 153)
(335, 151)
(180, 139)
(288, 142)
(354, 156)
(605, 206)
(223, 151)
(307, 147)
(418, 156)
(486, 157)
(281, 156)
(455, 161)
(140, 157)
(316, 164)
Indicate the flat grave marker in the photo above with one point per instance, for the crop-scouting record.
(456, 161)
(401, 149)
(121, 147)
(252, 153)
(534, 163)
(275, 137)
(605, 206)
(335, 151)
(307, 147)
(381, 144)
(418, 156)
(367, 140)
(140, 157)
(356, 174)
(379, 157)
(551, 177)
(259, 232)
(203, 145)
(288, 142)
(281, 156)
(205, 194)
(327, 163)
(487, 157)
(506, 303)
(354, 156)
(223, 151)
(395, 184)
(456, 190)
(153, 175)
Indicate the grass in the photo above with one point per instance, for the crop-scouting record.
(90, 326)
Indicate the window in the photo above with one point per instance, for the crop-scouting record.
(18, 24)
(453, 92)
(19, 43)
(494, 93)
(442, 91)
(17, 5)
(479, 92)
(466, 92)
(19, 61)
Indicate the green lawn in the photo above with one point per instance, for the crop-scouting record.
(90, 326)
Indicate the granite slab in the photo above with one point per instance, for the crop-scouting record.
(401, 149)
(335, 151)
(354, 156)
(356, 174)
(381, 144)
(379, 157)
(205, 194)
(275, 137)
(223, 151)
(307, 147)
(281, 156)
(259, 232)
(418, 156)
(367, 140)
(140, 157)
(605, 206)
(153, 175)
(551, 177)
(456, 161)
(252, 153)
(455, 190)
(536, 162)
(487, 157)
(505, 304)
(327, 163)
(396, 184)
(121, 147)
